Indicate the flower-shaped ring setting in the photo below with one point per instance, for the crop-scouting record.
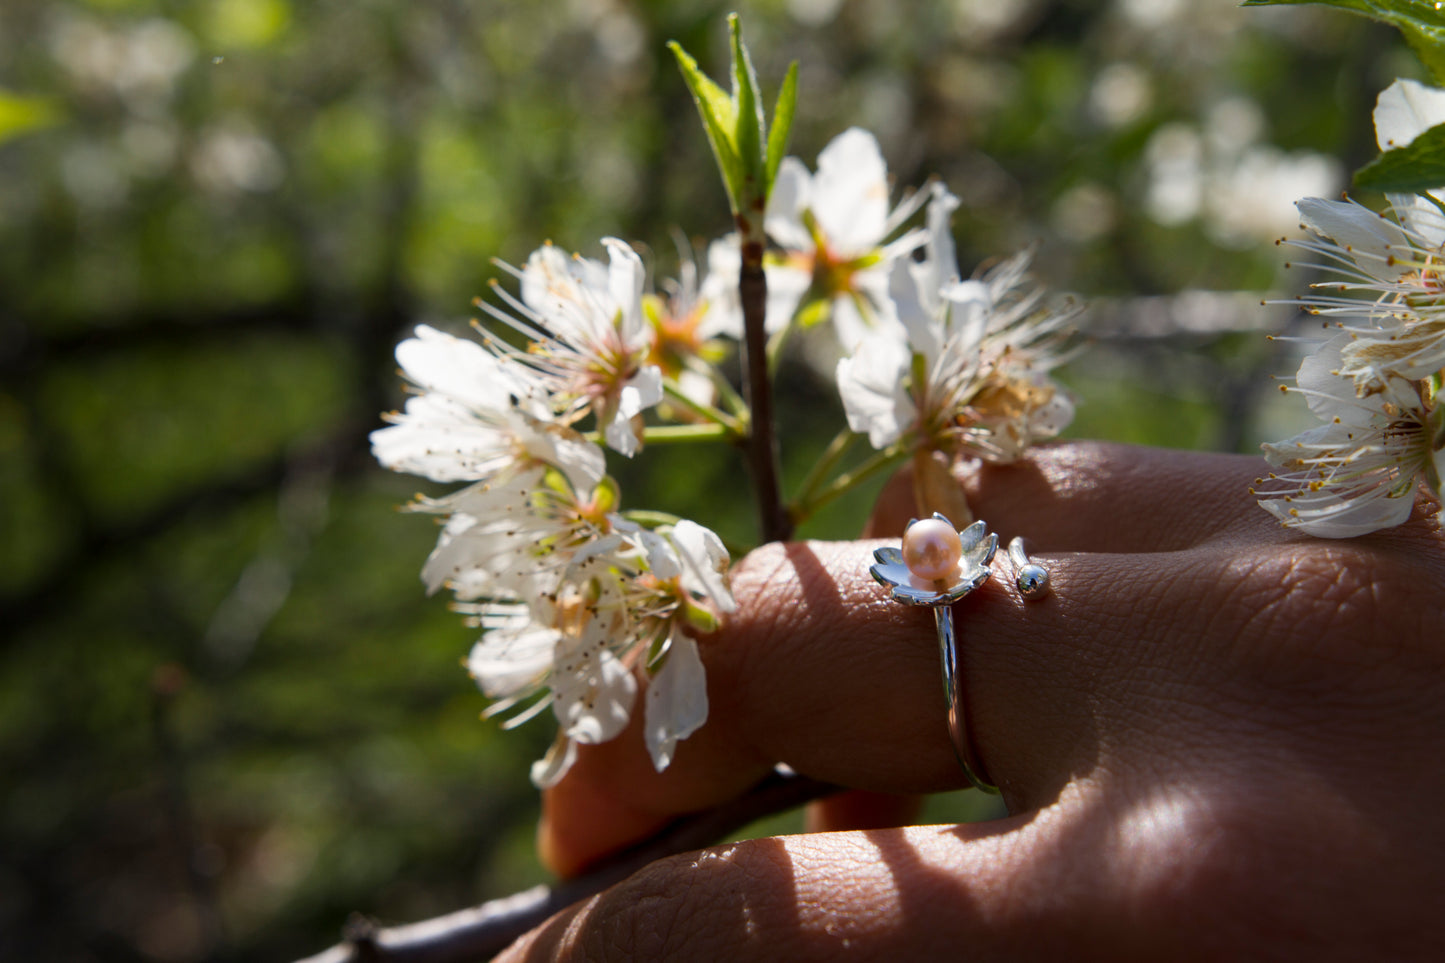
(935, 567)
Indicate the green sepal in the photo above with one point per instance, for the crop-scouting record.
(607, 495)
(814, 312)
(700, 618)
(1417, 167)
(657, 652)
(556, 480)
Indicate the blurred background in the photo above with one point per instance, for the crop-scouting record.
(228, 714)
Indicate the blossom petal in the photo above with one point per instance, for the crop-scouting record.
(850, 193)
(549, 770)
(1405, 110)
(1373, 241)
(437, 438)
(1329, 515)
(639, 393)
(704, 559)
(509, 660)
(594, 704)
(458, 368)
(1329, 395)
(626, 277)
(791, 196)
(871, 386)
(676, 700)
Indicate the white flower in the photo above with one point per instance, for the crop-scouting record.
(833, 229)
(573, 600)
(1356, 473)
(512, 539)
(1389, 284)
(589, 340)
(966, 368)
(687, 331)
(592, 691)
(515, 655)
(875, 388)
(617, 602)
(467, 424)
(676, 699)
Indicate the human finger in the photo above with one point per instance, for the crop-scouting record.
(1098, 497)
(859, 809)
(1185, 870)
(1134, 661)
(820, 670)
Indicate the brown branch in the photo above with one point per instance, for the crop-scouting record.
(762, 448)
(483, 931)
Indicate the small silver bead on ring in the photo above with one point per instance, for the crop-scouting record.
(1031, 578)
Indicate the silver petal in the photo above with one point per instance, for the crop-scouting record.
(888, 556)
(891, 573)
(972, 535)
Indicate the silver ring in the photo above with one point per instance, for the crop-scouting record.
(947, 579)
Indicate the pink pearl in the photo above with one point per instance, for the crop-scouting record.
(931, 549)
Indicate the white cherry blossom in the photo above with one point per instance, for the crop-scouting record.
(474, 420)
(614, 600)
(1387, 288)
(688, 329)
(833, 229)
(966, 368)
(589, 340)
(1356, 473)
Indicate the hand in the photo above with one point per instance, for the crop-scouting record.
(1218, 738)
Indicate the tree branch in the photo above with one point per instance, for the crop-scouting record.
(483, 931)
(773, 521)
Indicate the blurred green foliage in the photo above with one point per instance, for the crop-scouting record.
(228, 715)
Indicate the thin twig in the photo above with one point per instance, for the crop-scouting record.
(773, 521)
(483, 931)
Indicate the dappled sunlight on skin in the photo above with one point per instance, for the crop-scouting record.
(1085, 871)
(1056, 492)
(1215, 720)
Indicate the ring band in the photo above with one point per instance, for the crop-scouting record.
(936, 567)
(958, 728)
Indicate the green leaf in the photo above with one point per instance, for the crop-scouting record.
(719, 119)
(748, 134)
(1421, 21)
(21, 115)
(1413, 169)
(747, 154)
(782, 124)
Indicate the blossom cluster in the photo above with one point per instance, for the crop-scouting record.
(573, 596)
(1375, 382)
(579, 599)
